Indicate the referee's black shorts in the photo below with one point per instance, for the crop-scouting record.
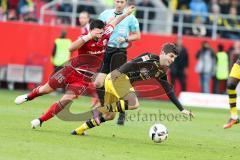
(113, 58)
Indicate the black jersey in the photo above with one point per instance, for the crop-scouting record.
(147, 66)
(144, 67)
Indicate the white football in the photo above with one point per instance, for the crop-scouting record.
(158, 133)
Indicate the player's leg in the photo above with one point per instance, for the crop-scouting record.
(91, 123)
(231, 90)
(75, 86)
(118, 59)
(232, 83)
(129, 102)
(173, 78)
(182, 79)
(120, 94)
(104, 70)
(99, 84)
(39, 91)
(99, 81)
(54, 109)
(55, 81)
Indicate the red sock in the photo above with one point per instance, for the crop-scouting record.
(35, 93)
(51, 112)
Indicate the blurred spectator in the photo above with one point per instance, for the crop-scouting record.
(12, 15)
(13, 4)
(187, 18)
(235, 3)
(183, 4)
(222, 71)
(24, 6)
(131, 2)
(232, 25)
(86, 7)
(4, 4)
(173, 4)
(166, 3)
(26, 10)
(211, 3)
(140, 13)
(84, 19)
(224, 6)
(198, 28)
(64, 7)
(234, 53)
(179, 68)
(108, 3)
(60, 53)
(205, 66)
(213, 18)
(30, 17)
(198, 7)
(3, 16)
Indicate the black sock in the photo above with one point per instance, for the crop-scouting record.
(101, 94)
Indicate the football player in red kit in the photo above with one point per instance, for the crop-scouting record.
(74, 77)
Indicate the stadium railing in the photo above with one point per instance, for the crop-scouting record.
(164, 21)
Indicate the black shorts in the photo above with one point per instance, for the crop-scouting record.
(113, 58)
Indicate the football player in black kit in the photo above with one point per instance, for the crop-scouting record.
(119, 92)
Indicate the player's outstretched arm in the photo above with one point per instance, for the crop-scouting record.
(170, 93)
(80, 42)
(118, 19)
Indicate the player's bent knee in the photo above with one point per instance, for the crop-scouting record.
(45, 89)
(98, 84)
(109, 116)
(231, 85)
(137, 104)
(69, 97)
(133, 103)
(133, 107)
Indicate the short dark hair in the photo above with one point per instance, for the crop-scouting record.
(85, 12)
(170, 48)
(97, 24)
(220, 47)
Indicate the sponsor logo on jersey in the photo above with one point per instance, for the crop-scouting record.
(145, 58)
(96, 52)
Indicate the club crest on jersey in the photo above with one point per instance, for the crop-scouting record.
(145, 58)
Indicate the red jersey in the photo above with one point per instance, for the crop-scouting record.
(90, 58)
(97, 47)
(93, 49)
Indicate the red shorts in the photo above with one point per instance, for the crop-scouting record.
(71, 80)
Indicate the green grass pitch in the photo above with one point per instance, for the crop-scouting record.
(201, 138)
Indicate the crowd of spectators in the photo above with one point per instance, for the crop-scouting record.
(18, 10)
(199, 15)
(29, 10)
(205, 13)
